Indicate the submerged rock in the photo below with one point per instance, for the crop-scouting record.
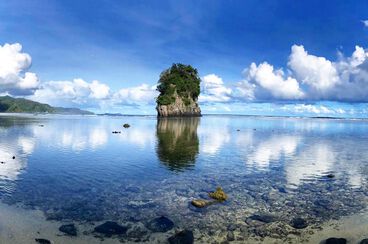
(138, 231)
(265, 218)
(111, 228)
(126, 125)
(364, 241)
(299, 223)
(218, 195)
(68, 229)
(230, 236)
(42, 241)
(199, 203)
(183, 237)
(161, 224)
(334, 240)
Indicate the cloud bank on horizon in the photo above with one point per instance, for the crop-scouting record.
(306, 79)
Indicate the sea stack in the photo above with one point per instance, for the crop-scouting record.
(179, 88)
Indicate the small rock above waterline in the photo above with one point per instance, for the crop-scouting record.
(13, 157)
(183, 237)
(218, 195)
(161, 224)
(69, 229)
(116, 132)
(299, 223)
(199, 203)
(42, 241)
(126, 125)
(111, 228)
(334, 240)
(330, 176)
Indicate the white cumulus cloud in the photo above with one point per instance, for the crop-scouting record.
(274, 82)
(71, 93)
(214, 90)
(14, 64)
(310, 78)
(143, 94)
(318, 73)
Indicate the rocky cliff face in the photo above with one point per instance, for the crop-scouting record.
(179, 108)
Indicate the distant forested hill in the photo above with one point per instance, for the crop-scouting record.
(20, 105)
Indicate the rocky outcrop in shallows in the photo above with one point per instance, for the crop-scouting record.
(179, 109)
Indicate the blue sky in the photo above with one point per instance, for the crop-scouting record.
(309, 57)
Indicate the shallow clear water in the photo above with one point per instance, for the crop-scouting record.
(74, 169)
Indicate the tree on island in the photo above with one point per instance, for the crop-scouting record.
(179, 88)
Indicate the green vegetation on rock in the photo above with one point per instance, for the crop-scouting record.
(20, 105)
(181, 80)
(218, 195)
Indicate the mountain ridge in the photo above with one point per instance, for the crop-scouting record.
(10, 104)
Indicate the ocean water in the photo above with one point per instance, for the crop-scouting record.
(287, 179)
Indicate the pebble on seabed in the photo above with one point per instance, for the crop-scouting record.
(183, 237)
(161, 224)
(110, 228)
(42, 241)
(69, 229)
(334, 240)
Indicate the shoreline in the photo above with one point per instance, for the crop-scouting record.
(48, 115)
(19, 225)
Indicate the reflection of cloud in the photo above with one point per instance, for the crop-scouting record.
(213, 136)
(244, 139)
(97, 137)
(213, 141)
(140, 137)
(314, 161)
(272, 150)
(15, 146)
(27, 144)
(12, 167)
(77, 135)
(326, 156)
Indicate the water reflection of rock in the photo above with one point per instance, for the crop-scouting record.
(178, 143)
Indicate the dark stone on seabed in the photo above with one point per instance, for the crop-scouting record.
(183, 237)
(111, 228)
(230, 236)
(68, 229)
(42, 241)
(263, 218)
(161, 224)
(299, 223)
(334, 240)
(364, 241)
